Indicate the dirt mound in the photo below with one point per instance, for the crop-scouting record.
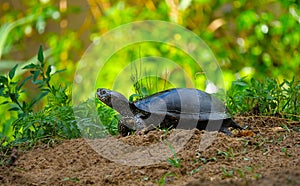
(268, 155)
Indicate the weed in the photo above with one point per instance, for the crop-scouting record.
(175, 161)
(195, 171)
(56, 119)
(73, 179)
(241, 172)
(163, 179)
(285, 151)
(109, 117)
(96, 123)
(257, 176)
(227, 173)
(145, 85)
(260, 142)
(265, 98)
(285, 127)
(227, 154)
(280, 139)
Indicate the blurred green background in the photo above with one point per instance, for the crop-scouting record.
(258, 38)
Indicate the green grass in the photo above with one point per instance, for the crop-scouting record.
(163, 179)
(241, 172)
(267, 98)
(175, 161)
(229, 154)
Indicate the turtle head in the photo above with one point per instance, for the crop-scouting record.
(114, 100)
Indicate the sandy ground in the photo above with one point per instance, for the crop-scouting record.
(266, 154)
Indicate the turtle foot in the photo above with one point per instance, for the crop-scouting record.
(225, 131)
(127, 125)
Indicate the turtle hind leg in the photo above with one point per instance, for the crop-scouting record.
(230, 123)
(225, 130)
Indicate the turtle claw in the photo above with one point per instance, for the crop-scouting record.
(141, 132)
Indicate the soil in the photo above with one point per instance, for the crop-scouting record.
(268, 153)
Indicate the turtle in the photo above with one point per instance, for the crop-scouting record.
(184, 108)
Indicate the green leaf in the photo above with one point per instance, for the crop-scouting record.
(38, 98)
(1, 89)
(22, 114)
(30, 66)
(4, 94)
(4, 102)
(41, 55)
(144, 91)
(45, 89)
(131, 98)
(12, 83)
(48, 71)
(38, 82)
(26, 108)
(285, 127)
(35, 75)
(14, 109)
(247, 19)
(240, 83)
(58, 71)
(3, 80)
(12, 71)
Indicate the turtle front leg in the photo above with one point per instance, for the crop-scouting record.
(127, 125)
(123, 129)
(124, 126)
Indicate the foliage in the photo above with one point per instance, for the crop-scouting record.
(109, 117)
(227, 173)
(56, 119)
(175, 161)
(254, 38)
(227, 154)
(257, 38)
(32, 19)
(241, 172)
(96, 123)
(267, 97)
(163, 179)
(38, 17)
(145, 86)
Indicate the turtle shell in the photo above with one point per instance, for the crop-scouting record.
(183, 108)
(183, 102)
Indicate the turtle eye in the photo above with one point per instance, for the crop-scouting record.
(101, 91)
